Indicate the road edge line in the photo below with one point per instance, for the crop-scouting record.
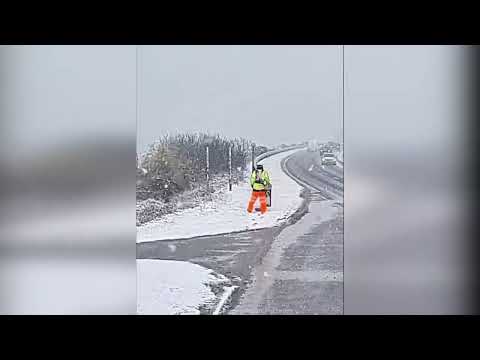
(227, 294)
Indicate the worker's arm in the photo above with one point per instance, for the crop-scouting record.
(267, 178)
(252, 179)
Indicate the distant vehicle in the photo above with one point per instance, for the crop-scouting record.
(329, 159)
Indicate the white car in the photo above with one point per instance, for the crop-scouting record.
(329, 159)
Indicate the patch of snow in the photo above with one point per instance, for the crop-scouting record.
(228, 213)
(168, 287)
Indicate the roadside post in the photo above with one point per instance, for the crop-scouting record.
(208, 170)
(209, 139)
(230, 168)
(253, 157)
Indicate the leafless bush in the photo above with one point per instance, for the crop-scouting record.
(176, 163)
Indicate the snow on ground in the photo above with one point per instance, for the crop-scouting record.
(229, 214)
(167, 287)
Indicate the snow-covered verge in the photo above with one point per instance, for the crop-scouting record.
(167, 287)
(228, 212)
(266, 154)
(151, 209)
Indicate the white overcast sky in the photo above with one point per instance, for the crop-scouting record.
(269, 94)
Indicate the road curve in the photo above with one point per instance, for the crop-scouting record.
(305, 167)
(302, 272)
(295, 269)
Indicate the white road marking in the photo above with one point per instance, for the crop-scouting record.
(226, 295)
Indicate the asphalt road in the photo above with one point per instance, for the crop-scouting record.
(296, 268)
(306, 168)
(302, 273)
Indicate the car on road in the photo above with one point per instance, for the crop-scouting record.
(329, 159)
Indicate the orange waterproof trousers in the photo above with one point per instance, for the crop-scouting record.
(263, 201)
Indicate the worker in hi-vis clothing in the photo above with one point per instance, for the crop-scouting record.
(259, 180)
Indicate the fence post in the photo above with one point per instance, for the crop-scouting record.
(208, 170)
(253, 157)
(230, 168)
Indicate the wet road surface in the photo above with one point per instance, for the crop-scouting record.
(296, 268)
